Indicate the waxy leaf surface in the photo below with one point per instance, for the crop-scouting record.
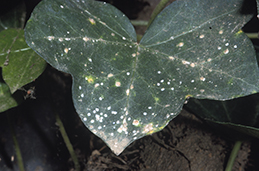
(237, 118)
(124, 90)
(20, 64)
(7, 99)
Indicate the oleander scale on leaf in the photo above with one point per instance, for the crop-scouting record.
(124, 90)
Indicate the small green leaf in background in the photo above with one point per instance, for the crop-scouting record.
(7, 99)
(237, 118)
(124, 90)
(19, 64)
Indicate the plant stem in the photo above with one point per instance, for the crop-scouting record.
(139, 22)
(68, 143)
(233, 155)
(16, 145)
(157, 10)
(252, 35)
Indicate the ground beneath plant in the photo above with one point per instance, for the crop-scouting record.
(185, 144)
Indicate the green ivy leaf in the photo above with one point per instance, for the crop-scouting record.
(240, 115)
(124, 90)
(7, 99)
(20, 64)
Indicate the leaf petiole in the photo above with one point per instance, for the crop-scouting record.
(233, 155)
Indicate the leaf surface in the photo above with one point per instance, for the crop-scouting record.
(124, 90)
(237, 118)
(20, 64)
(7, 99)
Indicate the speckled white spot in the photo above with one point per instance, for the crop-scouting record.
(158, 84)
(123, 38)
(148, 128)
(110, 75)
(114, 112)
(159, 72)
(82, 95)
(85, 119)
(91, 21)
(128, 73)
(66, 50)
(202, 36)
(96, 85)
(219, 47)
(221, 32)
(180, 44)
(162, 89)
(202, 78)
(235, 46)
(117, 84)
(145, 113)
(172, 88)
(50, 38)
(192, 65)
(135, 122)
(61, 6)
(226, 51)
(127, 92)
(185, 62)
(86, 39)
(226, 44)
(80, 87)
(171, 58)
